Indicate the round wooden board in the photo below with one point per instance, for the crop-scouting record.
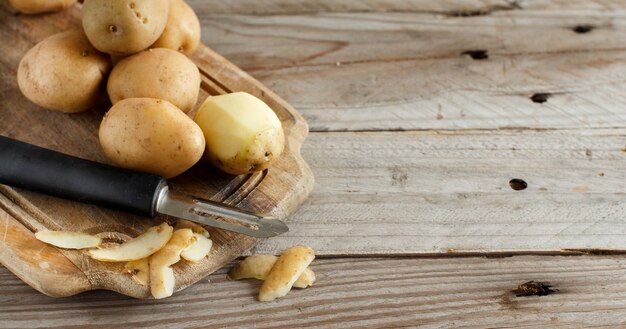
(278, 191)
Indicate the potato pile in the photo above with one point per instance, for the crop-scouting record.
(137, 49)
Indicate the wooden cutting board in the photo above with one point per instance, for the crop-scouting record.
(278, 191)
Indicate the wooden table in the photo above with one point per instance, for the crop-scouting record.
(427, 119)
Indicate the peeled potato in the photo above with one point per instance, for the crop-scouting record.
(123, 27)
(68, 240)
(182, 31)
(156, 73)
(63, 72)
(151, 135)
(242, 133)
(259, 266)
(161, 274)
(40, 6)
(140, 247)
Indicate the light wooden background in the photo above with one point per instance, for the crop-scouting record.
(413, 143)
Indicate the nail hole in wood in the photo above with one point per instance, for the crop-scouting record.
(469, 13)
(518, 184)
(476, 54)
(540, 97)
(534, 288)
(581, 29)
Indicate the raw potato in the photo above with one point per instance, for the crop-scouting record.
(156, 73)
(124, 27)
(289, 266)
(40, 6)
(63, 72)
(139, 270)
(259, 266)
(68, 240)
(242, 133)
(182, 31)
(199, 249)
(140, 247)
(151, 135)
(161, 274)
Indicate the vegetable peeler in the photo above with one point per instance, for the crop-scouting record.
(38, 169)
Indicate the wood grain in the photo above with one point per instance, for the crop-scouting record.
(358, 293)
(397, 65)
(400, 65)
(429, 192)
(278, 191)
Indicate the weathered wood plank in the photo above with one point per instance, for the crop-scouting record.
(380, 65)
(464, 8)
(374, 293)
(424, 192)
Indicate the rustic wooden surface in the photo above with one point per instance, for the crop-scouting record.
(277, 192)
(413, 145)
(358, 293)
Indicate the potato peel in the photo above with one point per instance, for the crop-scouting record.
(139, 270)
(306, 279)
(140, 247)
(198, 250)
(288, 267)
(259, 266)
(68, 240)
(195, 228)
(161, 274)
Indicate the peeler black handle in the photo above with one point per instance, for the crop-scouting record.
(42, 170)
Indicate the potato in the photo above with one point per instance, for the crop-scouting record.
(156, 73)
(182, 31)
(40, 6)
(151, 135)
(242, 133)
(63, 72)
(122, 27)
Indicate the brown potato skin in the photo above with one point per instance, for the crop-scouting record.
(156, 73)
(63, 72)
(40, 6)
(151, 135)
(122, 27)
(182, 32)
